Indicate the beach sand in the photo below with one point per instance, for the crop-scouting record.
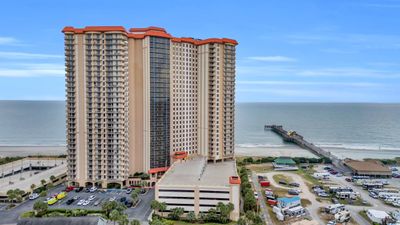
(289, 151)
(32, 150)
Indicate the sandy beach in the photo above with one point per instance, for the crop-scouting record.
(294, 151)
(31, 150)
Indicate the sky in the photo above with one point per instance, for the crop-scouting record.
(289, 50)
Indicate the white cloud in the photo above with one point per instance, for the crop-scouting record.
(8, 41)
(34, 70)
(26, 55)
(277, 58)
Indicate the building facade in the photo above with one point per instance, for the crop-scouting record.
(136, 97)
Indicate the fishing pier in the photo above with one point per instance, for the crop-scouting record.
(295, 138)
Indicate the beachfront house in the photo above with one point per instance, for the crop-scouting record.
(284, 163)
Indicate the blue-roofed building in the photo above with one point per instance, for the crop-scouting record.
(288, 207)
(288, 202)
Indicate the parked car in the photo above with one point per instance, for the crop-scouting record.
(70, 201)
(293, 192)
(348, 179)
(78, 189)
(81, 202)
(93, 189)
(69, 188)
(294, 184)
(128, 191)
(333, 172)
(327, 168)
(128, 203)
(96, 203)
(33, 196)
(52, 201)
(256, 195)
(86, 202)
(123, 199)
(91, 197)
(282, 182)
(76, 197)
(339, 175)
(61, 195)
(323, 194)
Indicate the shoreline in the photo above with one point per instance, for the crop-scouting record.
(32, 150)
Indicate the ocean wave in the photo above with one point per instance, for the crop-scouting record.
(367, 147)
(250, 145)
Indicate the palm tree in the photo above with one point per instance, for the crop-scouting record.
(33, 187)
(135, 222)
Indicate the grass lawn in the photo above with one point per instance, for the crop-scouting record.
(260, 168)
(279, 177)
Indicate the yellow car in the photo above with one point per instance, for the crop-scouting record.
(61, 195)
(52, 201)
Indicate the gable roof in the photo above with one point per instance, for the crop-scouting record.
(285, 161)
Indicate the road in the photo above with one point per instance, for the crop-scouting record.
(261, 199)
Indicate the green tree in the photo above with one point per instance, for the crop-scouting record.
(135, 222)
(176, 213)
(224, 211)
(191, 217)
(11, 195)
(157, 222)
(33, 186)
(40, 208)
(43, 182)
(250, 202)
(43, 194)
(115, 215)
(158, 206)
(241, 221)
(108, 207)
(123, 219)
(135, 195)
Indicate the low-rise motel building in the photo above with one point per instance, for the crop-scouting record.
(372, 168)
(197, 185)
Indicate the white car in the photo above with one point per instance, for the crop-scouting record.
(81, 202)
(93, 189)
(33, 196)
(112, 199)
(91, 197)
(86, 202)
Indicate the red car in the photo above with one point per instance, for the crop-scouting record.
(69, 188)
(333, 172)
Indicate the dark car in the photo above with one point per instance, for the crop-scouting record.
(78, 189)
(348, 179)
(123, 199)
(70, 201)
(294, 184)
(293, 192)
(327, 168)
(128, 203)
(282, 182)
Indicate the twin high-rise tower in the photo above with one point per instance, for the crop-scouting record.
(135, 97)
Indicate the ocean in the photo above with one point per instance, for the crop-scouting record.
(356, 130)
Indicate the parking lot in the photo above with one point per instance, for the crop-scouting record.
(99, 198)
(140, 212)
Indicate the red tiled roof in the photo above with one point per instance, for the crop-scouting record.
(158, 170)
(140, 33)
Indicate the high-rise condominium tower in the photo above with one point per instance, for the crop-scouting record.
(135, 97)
